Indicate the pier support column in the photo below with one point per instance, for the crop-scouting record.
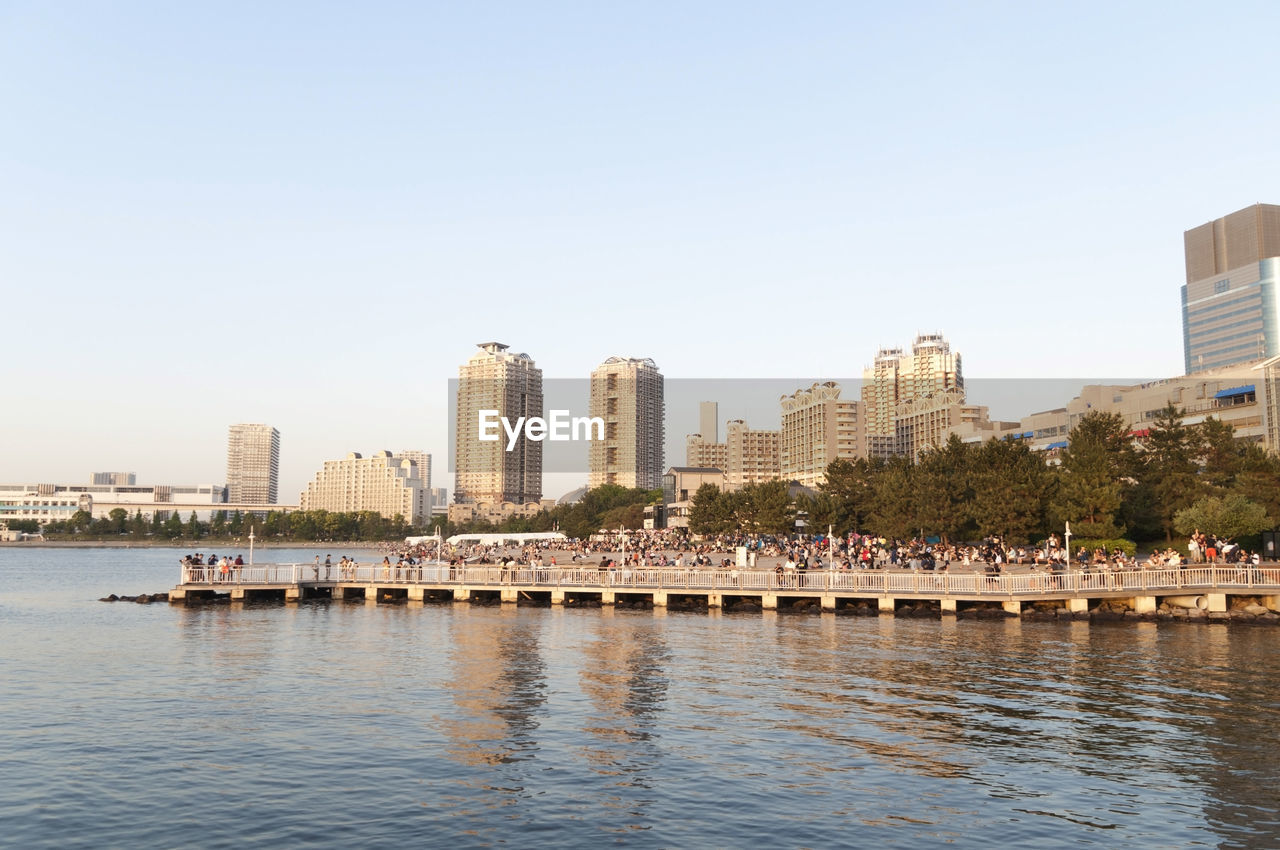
(180, 595)
(557, 597)
(715, 600)
(887, 604)
(948, 606)
(417, 594)
(828, 602)
(292, 594)
(659, 599)
(769, 602)
(1217, 601)
(237, 594)
(509, 594)
(608, 597)
(462, 594)
(1012, 606)
(1272, 603)
(1144, 604)
(1078, 605)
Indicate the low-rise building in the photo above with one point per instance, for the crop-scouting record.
(680, 484)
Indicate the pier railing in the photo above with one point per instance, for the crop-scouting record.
(845, 582)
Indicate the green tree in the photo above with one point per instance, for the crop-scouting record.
(893, 513)
(137, 526)
(1169, 468)
(851, 486)
(763, 508)
(1096, 467)
(1229, 516)
(119, 520)
(942, 489)
(173, 526)
(193, 528)
(1011, 490)
(710, 511)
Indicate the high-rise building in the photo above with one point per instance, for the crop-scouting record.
(752, 455)
(439, 501)
(511, 386)
(1230, 311)
(627, 393)
(818, 428)
(894, 377)
(253, 464)
(709, 421)
(115, 479)
(384, 483)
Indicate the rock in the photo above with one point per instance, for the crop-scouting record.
(1255, 609)
(111, 598)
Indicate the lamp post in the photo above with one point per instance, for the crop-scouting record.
(1066, 536)
(251, 545)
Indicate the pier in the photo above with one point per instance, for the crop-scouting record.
(1210, 589)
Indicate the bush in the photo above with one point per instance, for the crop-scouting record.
(1127, 546)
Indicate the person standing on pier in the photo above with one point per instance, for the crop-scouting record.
(315, 568)
(327, 564)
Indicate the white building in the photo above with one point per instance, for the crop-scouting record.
(253, 464)
(383, 483)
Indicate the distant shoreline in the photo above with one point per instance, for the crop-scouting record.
(188, 545)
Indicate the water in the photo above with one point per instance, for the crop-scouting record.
(347, 724)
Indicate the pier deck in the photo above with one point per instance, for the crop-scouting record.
(1205, 587)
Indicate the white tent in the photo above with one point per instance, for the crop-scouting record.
(500, 539)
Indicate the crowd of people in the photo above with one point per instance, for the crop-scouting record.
(212, 568)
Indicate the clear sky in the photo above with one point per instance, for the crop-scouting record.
(306, 214)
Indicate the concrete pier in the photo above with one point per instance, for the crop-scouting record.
(1230, 591)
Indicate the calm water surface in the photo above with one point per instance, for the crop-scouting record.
(349, 724)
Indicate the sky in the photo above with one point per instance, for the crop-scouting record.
(307, 214)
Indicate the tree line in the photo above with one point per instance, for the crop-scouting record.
(275, 525)
(1108, 485)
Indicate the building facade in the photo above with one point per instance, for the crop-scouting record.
(1230, 313)
(253, 464)
(679, 486)
(818, 428)
(384, 483)
(699, 453)
(124, 479)
(495, 379)
(45, 503)
(751, 455)
(894, 378)
(627, 394)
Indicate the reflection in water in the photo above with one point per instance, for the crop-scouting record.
(366, 725)
(498, 686)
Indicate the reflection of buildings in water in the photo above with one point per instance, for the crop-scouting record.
(625, 677)
(1236, 714)
(498, 685)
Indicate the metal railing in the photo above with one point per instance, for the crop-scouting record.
(843, 582)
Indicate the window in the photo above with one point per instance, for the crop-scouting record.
(1221, 286)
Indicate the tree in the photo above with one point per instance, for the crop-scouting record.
(119, 520)
(1096, 466)
(851, 486)
(942, 489)
(1011, 489)
(763, 508)
(138, 526)
(1229, 516)
(173, 526)
(710, 511)
(1169, 468)
(893, 512)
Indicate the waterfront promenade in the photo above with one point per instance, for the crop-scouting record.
(1212, 589)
